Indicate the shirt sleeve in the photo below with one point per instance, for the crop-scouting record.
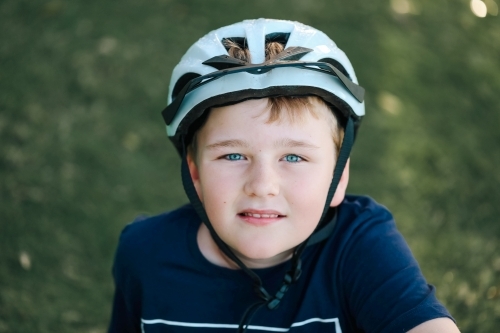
(384, 287)
(125, 315)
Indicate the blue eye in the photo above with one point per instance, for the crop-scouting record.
(233, 157)
(293, 158)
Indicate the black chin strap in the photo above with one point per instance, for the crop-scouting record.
(345, 151)
(295, 271)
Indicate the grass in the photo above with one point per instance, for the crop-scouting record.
(83, 147)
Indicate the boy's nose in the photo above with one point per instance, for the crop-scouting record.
(262, 181)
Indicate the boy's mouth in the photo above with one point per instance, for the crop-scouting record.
(264, 216)
(261, 214)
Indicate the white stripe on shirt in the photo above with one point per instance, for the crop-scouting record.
(250, 327)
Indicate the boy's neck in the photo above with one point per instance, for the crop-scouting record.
(214, 254)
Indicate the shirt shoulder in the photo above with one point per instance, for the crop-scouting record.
(142, 240)
(362, 217)
(359, 207)
(376, 268)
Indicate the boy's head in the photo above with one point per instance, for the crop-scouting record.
(262, 170)
(259, 107)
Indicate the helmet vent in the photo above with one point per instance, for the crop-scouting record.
(337, 65)
(279, 37)
(240, 41)
(183, 80)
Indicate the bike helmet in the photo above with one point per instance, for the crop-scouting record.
(310, 65)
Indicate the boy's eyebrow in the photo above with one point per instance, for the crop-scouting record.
(228, 143)
(290, 143)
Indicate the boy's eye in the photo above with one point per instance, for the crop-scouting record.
(292, 158)
(233, 157)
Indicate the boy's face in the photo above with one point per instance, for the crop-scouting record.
(263, 185)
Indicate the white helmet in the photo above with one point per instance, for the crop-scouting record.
(311, 64)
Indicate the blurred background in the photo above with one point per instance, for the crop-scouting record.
(83, 148)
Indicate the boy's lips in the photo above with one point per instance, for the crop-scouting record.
(260, 217)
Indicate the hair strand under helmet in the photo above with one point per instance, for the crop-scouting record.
(310, 65)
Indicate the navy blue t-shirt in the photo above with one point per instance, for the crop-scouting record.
(363, 278)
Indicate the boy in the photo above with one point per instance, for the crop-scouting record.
(264, 115)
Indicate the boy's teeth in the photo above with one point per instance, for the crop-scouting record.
(258, 216)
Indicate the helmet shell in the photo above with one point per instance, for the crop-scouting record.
(244, 85)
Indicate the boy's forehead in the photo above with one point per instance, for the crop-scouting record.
(250, 112)
(256, 108)
(245, 119)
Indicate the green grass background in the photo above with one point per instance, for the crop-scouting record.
(83, 147)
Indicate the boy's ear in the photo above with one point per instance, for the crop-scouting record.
(341, 187)
(195, 175)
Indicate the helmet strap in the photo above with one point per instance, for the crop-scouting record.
(322, 232)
